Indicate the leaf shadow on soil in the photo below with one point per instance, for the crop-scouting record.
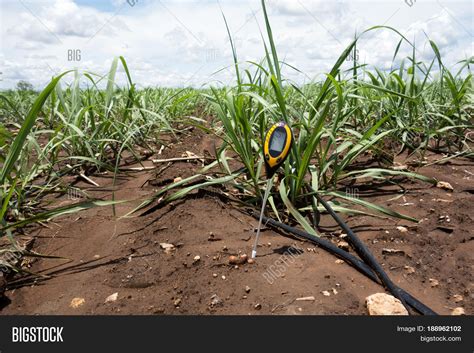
(42, 276)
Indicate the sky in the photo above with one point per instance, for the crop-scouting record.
(179, 43)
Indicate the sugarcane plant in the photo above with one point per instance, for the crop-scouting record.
(336, 122)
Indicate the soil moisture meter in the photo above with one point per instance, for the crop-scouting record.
(276, 148)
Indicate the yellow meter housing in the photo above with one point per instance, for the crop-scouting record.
(276, 146)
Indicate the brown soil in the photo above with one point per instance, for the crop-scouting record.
(122, 255)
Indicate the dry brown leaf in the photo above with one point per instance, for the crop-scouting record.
(444, 185)
(386, 251)
(303, 299)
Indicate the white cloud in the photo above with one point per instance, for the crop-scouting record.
(300, 8)
(181, 42)
(49, 23)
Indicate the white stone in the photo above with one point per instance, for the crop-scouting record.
(111, 298)
(384, 304)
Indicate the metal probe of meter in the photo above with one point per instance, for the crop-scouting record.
(276, 148)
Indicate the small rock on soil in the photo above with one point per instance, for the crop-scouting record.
(384, 304)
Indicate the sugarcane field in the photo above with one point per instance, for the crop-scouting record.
(236, 158)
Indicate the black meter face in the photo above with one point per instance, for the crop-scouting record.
(277, 146)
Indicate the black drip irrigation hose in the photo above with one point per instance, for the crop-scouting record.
(349, 258)
(363, 252)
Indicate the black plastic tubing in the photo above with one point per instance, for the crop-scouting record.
(350, 259)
